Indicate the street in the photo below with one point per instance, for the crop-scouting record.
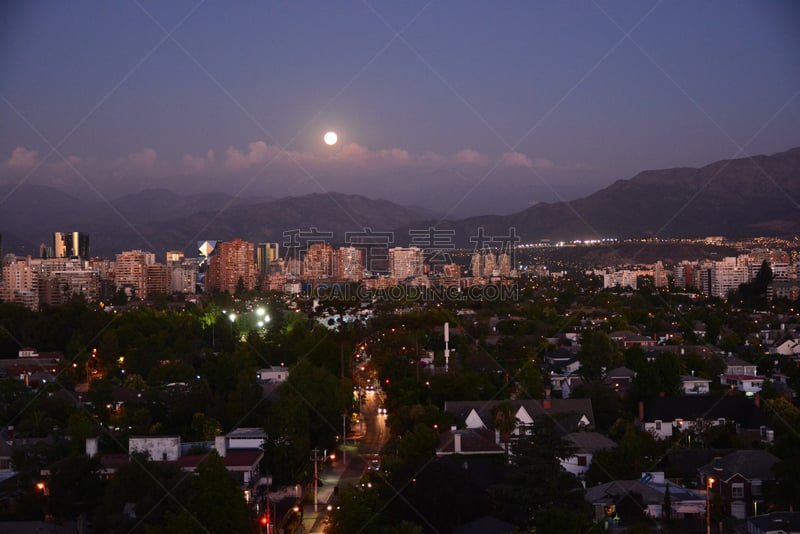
(370, 435)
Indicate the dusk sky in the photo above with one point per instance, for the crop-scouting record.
(512, 102)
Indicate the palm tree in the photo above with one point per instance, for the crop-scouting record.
(505, 422)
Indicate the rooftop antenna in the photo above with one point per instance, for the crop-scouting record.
(446, 346)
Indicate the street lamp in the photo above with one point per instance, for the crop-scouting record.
(232, 318)
(709, 483)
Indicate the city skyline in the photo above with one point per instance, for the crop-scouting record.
(529, 102)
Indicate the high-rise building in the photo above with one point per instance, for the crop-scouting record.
(232, 262)
(504, 264)
(476, 267)
(130, 271)
(452, 271)
(683, 274)
(489, 264)
(60, 286)
(266, 253)
(20, 282)
(659, 275)
(183, 276)
(405, 263)
(318, 262)
(727, 275)
(158, 279)
(173, 256)
(622, 278)
(71, 244)
(348, 264)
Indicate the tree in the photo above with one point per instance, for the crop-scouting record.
(598, 354)
(358, 511)
(634, 454)
(605, 403)
(505, 421)
(537, 484)
(204, 427)
(240, 287)
(215, 502)
(75, 486)
(403, 527)
(418, 445)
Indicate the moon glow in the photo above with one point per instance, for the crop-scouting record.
(330, 138)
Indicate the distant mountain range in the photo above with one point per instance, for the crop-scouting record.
(733, 198)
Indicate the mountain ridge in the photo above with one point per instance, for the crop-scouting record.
(742, 197)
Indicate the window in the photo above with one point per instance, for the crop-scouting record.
(581, 460)
(755, 487)
(737, 490)
(658, 425)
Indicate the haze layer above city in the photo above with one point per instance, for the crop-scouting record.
(461, 109)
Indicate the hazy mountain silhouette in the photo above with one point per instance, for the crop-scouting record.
(734, 198)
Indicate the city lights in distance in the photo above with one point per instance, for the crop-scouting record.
(330, 138)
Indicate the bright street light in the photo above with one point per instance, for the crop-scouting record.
(709, 483)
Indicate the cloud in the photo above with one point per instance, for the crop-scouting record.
(542, 163)
(67, 164)
(258, 153)
(22, 159)
(198, 164)
(518, 159)
(360, 156)
(471, 157)
(145, 159)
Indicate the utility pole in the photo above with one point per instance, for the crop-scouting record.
(316, 459)
(344, 438)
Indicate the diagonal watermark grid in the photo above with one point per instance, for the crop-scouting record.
(396, 36)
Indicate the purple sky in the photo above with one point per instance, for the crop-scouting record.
(473, 107)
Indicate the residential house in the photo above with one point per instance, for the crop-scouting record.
(571, 414)
(469, 441)
(741, 375)
(620, 379)
(585, 445)
(564, 383)
(786, 346)
(563, 360)
(694, 385)
(774, 523)
(738, 477)
(665, 416)
(6, 469)
(630, 339)
(651, 488)
(275, 374)
(737, 366)
(238, 450)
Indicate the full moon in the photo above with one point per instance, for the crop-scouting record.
(330, 138)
